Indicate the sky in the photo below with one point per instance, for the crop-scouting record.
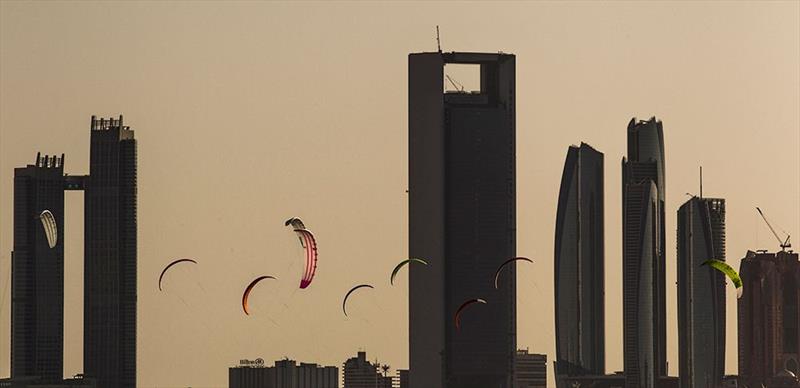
(249, 113)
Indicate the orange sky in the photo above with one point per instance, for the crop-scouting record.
(249, 113)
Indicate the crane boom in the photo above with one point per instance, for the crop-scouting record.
(784, 244)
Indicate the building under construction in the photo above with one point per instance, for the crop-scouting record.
(768, 320)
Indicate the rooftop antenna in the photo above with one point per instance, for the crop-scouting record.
(438, 42)
(783, 243)
(701, 182)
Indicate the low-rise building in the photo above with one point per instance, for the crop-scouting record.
(530, 370)
(284, 374)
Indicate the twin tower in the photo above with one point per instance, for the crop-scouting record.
(37, 292)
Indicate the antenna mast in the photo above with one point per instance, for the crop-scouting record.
(438, 42)
(701, 182)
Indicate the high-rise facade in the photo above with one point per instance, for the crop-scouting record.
(701, 293)
(37, 272)
(768, 320)
(639, 223)
(646, 148)
(110, 266)
(579, 266)
(644, 265)
(462, 220)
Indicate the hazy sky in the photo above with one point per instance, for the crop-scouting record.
(249, 113)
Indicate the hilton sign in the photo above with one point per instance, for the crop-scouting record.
(258, 362)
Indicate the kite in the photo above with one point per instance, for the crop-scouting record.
(723, 267)
(50, 227)
(402, 263)
(462, 307)
(500, 268)
(168, 267)
(249, 288)
(344, 302)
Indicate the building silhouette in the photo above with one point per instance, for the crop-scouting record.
(360, 373)
(402, 378)
(701, 293)
(462, 220)
(615, 380)
(640, 219)
(768, 320)
(37, 382)
(644, 284)
(530, 370)
(109, 347)
(284, 374)
(37, 273)
(579, 266)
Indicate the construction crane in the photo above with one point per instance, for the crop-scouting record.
(783, 243)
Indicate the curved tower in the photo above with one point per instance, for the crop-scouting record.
(580, 266)
(701, 293)
(639, 263)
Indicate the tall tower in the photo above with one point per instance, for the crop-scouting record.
(462, 219)
(580, 266)
(37, 272)
(701, 293)
(109, 353)
(644, 166)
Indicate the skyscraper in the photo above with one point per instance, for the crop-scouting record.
(644, 265)
(646, 161)
(640, 247)
(768, 320)
(462, 219)
(701, 293)
(579, 266)
(109, 353)
(37, 272)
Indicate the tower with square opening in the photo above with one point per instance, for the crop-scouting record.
(462, 220)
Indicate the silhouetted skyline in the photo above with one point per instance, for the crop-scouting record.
(110, 268)
(250, 113)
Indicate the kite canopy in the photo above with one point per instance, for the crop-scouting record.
(169, 266)
(344, 302)
(310, 245)
(461, 309)
(402, 263)
(50, 227)
(249, 288)
(723, 267)
(505, 263)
